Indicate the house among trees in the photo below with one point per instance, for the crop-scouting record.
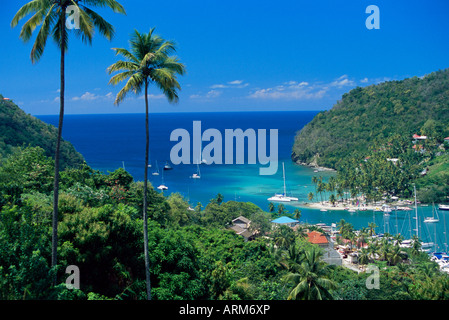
(286, 221)
(318, 238)
(418, 137)
(241, 226)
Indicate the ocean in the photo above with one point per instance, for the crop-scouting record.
(108, 142)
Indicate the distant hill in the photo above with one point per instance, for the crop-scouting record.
(20, 129)
(364, 115)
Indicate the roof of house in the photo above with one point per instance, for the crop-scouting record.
(316, 237)
(446, 138)
(243, 219)
(284, 220)
(244, 232)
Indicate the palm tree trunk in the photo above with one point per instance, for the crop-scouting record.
(145, 205)
(54, 259)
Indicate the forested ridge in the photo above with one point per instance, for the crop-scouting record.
(375, 113)
(19, 129)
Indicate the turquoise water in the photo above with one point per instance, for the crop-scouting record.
(111, 141)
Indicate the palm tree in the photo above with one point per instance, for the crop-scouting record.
(283, 237)
(51, 16)
(310, 282)
(395, 255)
(219, 198)
(416, 246)
(148, 62)
(332, 199)
(373, 249)
(372, 229)
(364, 256)
(297, 214)
(281, 209)
(310, 196)
(271, 207)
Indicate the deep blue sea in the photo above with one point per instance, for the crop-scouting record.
(108, 142)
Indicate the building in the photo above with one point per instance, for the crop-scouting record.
(330, 255)
(241, 226)
(285, 221)
(318, 238)
(418, 137)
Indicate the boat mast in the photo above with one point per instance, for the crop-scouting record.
(445, 234)
(283, 171)
(416, 212)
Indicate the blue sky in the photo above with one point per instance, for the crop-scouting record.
(240, 55)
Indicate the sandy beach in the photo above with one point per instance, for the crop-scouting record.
(326, 205)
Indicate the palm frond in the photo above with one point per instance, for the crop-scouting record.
(135, 84)
(112, 4)
(30, 7)
(105, 28)
(126, 54)
(39, 44)
(120, 77)
(123, 65)
(28, 28)
(85, 29)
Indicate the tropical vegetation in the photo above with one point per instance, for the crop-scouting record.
(193, 254)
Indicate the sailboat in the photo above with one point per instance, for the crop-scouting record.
(432, 219)
(163, 186)
(197, 175)
(167, 166)
(282, 197)
(156, 173)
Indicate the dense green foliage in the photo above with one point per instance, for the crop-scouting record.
(18, 129)
(370, 126)
(193, 254)
(374, 113)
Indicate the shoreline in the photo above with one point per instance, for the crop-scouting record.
(326, 205)
(316, 167)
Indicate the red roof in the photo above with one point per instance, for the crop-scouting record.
(316, 237)
(446, 138)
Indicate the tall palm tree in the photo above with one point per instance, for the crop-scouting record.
(51, 17)
(148, 62)
(310, 282)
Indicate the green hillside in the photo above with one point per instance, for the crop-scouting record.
(375, 113)
(19, 129)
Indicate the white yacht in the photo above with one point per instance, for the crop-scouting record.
(283, 197)
(197, 175)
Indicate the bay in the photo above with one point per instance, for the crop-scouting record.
(111, 141)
